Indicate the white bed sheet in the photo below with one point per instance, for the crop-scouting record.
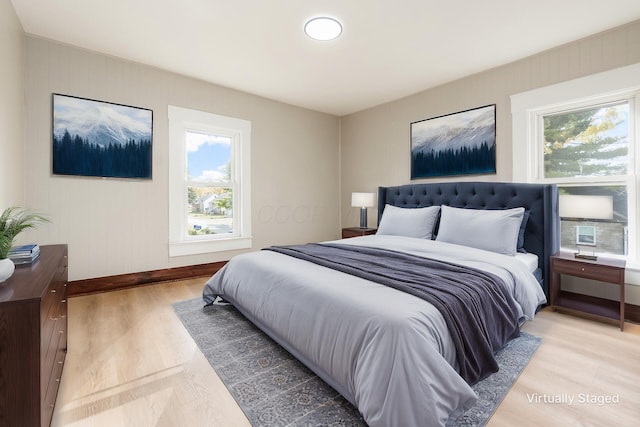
(530, 260)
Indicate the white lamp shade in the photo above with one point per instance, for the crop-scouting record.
(362, 200)
(586, 207)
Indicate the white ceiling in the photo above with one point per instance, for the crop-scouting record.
(388, 49)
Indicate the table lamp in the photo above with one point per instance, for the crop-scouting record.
(362, 201)
(586, 208)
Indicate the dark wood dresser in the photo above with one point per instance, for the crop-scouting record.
(33, 338)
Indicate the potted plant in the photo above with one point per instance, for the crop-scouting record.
(13, 221)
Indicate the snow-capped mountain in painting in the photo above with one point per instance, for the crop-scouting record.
(469, 129)
(455, 144)
(100, 123)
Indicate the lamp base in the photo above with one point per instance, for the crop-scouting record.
(583, 253)
(585, 256)
(363, 217)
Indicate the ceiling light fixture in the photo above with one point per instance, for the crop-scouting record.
(323, 28)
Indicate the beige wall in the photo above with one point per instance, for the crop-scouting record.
(375, 142)
(11, 108)
(121, 226)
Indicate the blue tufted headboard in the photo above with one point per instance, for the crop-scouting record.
(541, 200)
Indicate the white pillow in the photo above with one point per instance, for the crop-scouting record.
(491, 230)
(409, 222)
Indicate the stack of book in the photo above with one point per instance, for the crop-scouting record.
(25, 254)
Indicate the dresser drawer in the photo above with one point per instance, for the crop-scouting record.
(50, 297)
(63, 264)
(48, 320)
(592, 271)
(56, 374)
(54, 310)
(57, 342)
(52, 386)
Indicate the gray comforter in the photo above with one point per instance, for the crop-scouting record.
(475, 305)
(387, 352)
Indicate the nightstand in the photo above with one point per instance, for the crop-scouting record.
(357, 231)
(607, 270)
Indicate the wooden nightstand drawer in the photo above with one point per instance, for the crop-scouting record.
(603, 273)
(357, 231)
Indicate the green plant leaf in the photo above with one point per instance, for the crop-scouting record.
(13, 221)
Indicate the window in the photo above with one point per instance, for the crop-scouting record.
(583, 136)
(586, 152)
(209, 186)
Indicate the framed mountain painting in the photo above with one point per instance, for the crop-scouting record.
(101, 139)
(461, 143)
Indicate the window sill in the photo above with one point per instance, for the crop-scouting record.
(205, 246)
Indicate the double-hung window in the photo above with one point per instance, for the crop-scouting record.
(583, 136)
(587, 151)
(209, 164)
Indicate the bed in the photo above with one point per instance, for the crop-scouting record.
(397, 355)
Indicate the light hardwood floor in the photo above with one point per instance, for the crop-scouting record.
(130, 362)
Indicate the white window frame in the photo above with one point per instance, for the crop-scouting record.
(182, 120)
(527, 108)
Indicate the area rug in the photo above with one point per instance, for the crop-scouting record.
(274, 389)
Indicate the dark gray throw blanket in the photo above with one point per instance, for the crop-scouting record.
(476, 306)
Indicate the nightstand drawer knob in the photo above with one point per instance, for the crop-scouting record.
(582, 268)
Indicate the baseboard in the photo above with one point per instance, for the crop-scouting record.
(632, 313)
(123, 281)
